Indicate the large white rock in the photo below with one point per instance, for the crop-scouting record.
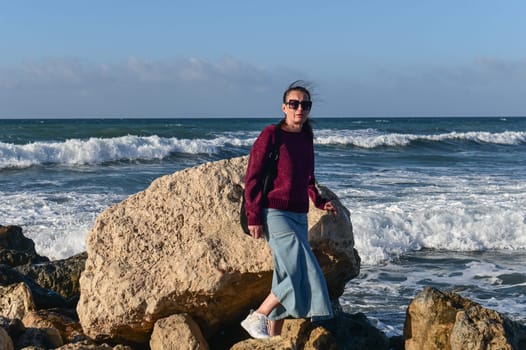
(177, 247)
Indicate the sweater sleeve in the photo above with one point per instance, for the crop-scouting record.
(317, 199)
(254, 175)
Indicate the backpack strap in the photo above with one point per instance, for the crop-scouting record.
(272, 163)
(274, 154)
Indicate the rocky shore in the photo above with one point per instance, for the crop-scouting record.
(170, 268)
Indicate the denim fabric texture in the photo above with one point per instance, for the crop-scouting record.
(298, 281)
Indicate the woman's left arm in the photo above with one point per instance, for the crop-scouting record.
(314, 194)
(318, 200)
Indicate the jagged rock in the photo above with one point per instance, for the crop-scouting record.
(16, 249)
(171, 249)
(480, 328)
(15, 301)
(446, 321)
(46, 338)
(5, 341)
(177, 332)
(14, 258)
(296, 334)
(14, 327)
(89, 345)
(68, 328)
(11, 237)
(355, 332)
(60, 276)
(43, 298)
(177, 247)
(332, 241)
(47, 280)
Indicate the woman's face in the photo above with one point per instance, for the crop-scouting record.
(299, 115)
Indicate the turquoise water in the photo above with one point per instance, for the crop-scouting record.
(434, 201)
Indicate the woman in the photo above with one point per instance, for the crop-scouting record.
(298, 286)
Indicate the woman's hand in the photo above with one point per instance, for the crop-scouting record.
(331, 208)
(256, 231)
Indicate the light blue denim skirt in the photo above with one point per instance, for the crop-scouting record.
(297, 282)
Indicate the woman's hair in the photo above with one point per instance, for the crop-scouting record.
(302, 86)
(298, 85)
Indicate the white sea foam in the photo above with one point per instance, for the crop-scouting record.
(130, 147)
(372, 138)
(386, 290)
(460, 220)
(58, 223)
(467, 213)
(101, 150)
(383, 233)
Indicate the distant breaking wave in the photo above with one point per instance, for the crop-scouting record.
(370, 138)
(101, 150)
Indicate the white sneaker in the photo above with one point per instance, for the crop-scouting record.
(256, 325)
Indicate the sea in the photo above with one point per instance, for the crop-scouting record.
(434, 201)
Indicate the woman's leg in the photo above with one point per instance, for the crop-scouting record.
(275, 327)
(265, 308)
(268, 304)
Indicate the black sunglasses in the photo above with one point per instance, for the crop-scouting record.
(294, 104)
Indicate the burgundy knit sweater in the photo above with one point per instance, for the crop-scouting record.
(294, 183)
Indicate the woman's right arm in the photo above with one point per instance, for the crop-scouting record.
(253, 178)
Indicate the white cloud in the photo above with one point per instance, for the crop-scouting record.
(182, 86)
(484, 87)
(191, 86)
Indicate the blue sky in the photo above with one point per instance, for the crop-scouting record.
(373, 58)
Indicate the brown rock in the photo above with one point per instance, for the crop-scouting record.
(14, 327)
(15, 301)
(5, 341)
(84, 345)
(43, 298)
(60, 276)
(332, 241)
(14, 258)
(89, 345)
(177, 332)
(177, 247)
(46, 338)
(68, 328)
(11, 237)
(355, 332)
(16, 249)
(480, 328)
(308, 336)
(446, 321)
(173, 248)
(296, 334)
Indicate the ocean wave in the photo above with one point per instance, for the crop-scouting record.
(385, 231)
(371, 138)
(103, 150)
(130, 147)
(57, 223)
(404, 210)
